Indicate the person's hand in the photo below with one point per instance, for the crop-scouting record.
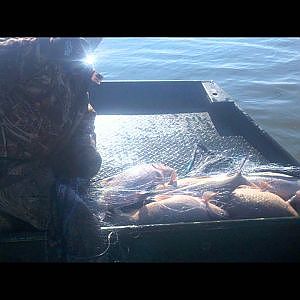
(96, 77)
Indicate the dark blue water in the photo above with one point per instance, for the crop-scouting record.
(261, 74)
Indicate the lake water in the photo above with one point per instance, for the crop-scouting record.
(261, 74)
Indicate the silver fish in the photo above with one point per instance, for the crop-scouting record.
(134, 184)
(223, 183)
(285, 186)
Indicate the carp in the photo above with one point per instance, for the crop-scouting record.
(285, 186)
(174, 209)
(223, 184)
(145, 176)
(134, 184)
(248, 202)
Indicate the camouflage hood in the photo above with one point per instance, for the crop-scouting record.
(43, 95)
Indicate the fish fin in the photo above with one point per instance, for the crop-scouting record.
(294, 198)
(254, 186)
(161, 197)
(172, 182)
(294, 202)
(173, 179)
(162, 186)
(207, 196)
(251, 186)
(264, 186)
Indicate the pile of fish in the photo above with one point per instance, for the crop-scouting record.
(153, 194)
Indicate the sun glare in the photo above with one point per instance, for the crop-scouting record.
(89, 59)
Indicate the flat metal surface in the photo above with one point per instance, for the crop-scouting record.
(149, 97)
(251, 240)
(255, 240)
(126, 141)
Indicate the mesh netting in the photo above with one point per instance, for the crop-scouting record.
(128, 140)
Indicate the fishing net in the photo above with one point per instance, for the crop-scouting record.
(125, 141)
(188, 143)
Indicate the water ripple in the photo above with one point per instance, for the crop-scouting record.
(261, 74)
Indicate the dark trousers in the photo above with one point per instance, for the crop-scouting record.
(33, 194)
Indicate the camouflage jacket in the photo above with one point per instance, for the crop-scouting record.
(43, 108)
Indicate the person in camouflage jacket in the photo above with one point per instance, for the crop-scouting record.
(47, 137)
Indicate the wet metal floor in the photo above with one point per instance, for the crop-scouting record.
(127, 140)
